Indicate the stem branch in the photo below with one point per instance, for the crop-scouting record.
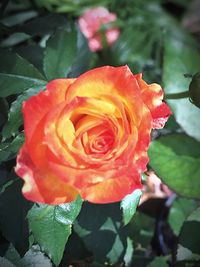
(180, 95)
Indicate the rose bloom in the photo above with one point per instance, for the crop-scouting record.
(89, 136)
(90, 23)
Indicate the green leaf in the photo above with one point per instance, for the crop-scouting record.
(5, 185)
(6, 263)
(190, 234)
(181, 56)
(15, 39)
(43, 24)
(116, 251)
(158, 262)
(146, 21)
(171, 125)
(19, 18)
(129, 205)
(128, 46)
(142, 229)
(129, 252)
(75, 248)
(15, 119)
(72, 7)
(51, 226)
(4, 151)
(9, 150)
(34, 53)
(186, 254)
(83, 57)
(60, 53)
(13, 222)
(178, 213)
(176, 160)
(17, 74)
(4, 177)
(192, 263)
(3, 111)
(100, 227)
(194, 216)
(34, 257)
(101, 242)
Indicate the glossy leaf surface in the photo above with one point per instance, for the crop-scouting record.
(51, 226)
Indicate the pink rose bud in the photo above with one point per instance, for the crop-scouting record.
(90, 24)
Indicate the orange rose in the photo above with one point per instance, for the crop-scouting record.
(89, 136)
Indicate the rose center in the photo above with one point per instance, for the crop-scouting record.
(102, 143)
(98, 143)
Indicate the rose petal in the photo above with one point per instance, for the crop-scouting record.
(107, 81)
(140, 154)
(35, 110)
(91, 21)
(41, 185)
(152, 95)
(111, 190)
(94, 43)
(112, 35)
(36, 107)
(160, 115)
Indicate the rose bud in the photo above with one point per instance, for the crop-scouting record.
(90, 24)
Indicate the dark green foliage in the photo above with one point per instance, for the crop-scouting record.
(183, 153)
(194, 90)
(51, 226)
(59, 54)
(13, 211)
